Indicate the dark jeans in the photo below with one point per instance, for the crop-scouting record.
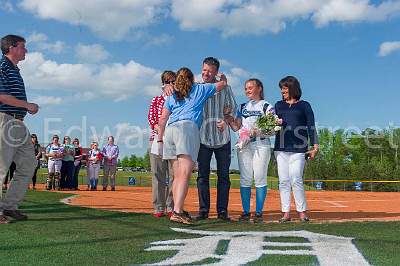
(76, 176)
(67, 172)
(34, 174)
(10, 173)
(223, 157)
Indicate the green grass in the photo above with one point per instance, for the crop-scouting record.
(58, 234)
(144, 179)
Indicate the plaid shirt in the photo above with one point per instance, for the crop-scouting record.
(213, 111)
(155, 110)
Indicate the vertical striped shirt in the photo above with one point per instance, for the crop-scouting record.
(213, 111)
(11, 83)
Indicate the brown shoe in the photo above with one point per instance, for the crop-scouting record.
(16, 214)
(4, 219)
(182, 218)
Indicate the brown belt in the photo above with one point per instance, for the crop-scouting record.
(15, 116)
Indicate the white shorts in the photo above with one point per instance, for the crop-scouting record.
(181, 137)
(54, 166)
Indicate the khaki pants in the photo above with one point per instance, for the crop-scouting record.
(161, 184)
(109, 170)
(15, 145)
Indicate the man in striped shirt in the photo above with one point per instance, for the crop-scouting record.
(214, 138)
(15, 141)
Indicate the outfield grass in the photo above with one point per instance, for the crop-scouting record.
(58, 234)
(144, 179)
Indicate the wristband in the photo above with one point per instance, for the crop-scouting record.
(159, 140)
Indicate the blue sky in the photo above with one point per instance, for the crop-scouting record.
(95, 65)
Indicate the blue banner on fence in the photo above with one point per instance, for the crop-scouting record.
(357, 186)
(132, 181)
(319, 185)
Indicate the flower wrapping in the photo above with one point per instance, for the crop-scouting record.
(244, 138)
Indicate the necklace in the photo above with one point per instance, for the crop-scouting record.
(291, 103)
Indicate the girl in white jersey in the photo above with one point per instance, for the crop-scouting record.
(254, 156)
(54, 153)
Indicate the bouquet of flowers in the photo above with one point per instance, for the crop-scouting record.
(99, 157)
(269, 124)
(59, 153)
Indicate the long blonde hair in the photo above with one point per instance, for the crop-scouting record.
(183, 83)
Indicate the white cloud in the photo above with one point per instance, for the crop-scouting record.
(54, 48)
(110, 19)
(7, 6)
(115, 81)
(355, 11)
(161, 40)
(36, 37)
(235, 17)
(115, 19)
(39, 42)
(91, 53)
(387, 48)
(47, 100)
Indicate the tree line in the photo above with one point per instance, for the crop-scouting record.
(369, 155)
(344, 154)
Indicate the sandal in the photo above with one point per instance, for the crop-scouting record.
(304, 219)
(4, 219)
(284, 220)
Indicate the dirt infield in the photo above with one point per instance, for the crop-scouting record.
(324, 206)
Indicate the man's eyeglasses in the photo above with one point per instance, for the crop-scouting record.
(172, 82)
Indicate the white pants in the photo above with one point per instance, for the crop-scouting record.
(290, 172)
(253, 160)
(54, 166)
(93, 171)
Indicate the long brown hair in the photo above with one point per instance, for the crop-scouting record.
(259, 84)
(183, 83)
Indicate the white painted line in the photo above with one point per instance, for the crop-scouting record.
(374, 200)
(289, 252)
(336, 204)
(68, 199)
(287, 244)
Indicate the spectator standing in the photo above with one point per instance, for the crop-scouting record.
(15, 144)
(161, 170)
(9, 176)
(110, 153)
(94, 159)
(77, 163)
(67, 168)
(38, 155)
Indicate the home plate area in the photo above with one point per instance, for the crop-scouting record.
(202, 247)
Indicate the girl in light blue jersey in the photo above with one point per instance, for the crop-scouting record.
(181, 141)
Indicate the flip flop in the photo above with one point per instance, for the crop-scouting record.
(284, 220)
(304, 219)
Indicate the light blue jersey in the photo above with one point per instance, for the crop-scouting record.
(190, 108)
